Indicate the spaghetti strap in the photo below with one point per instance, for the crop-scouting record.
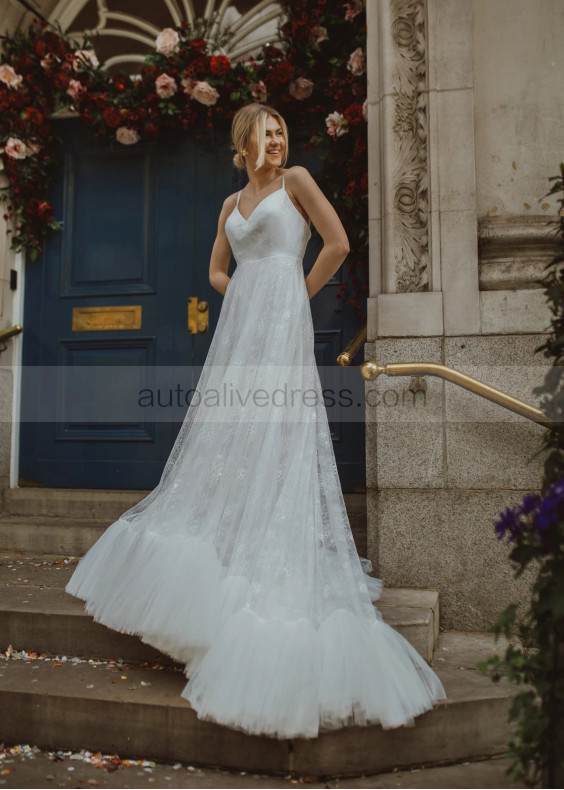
(238, 196)
(282, 180)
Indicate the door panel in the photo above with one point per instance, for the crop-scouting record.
(106, 312)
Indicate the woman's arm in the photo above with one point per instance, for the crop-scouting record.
(326, 221)
(221, 250)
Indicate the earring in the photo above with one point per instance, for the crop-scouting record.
(244, 153)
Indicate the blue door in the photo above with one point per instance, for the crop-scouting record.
(119, 312)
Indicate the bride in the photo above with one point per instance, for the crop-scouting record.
(241, 563)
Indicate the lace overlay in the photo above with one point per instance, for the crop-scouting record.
(241, 562)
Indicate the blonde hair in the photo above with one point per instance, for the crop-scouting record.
(249, 116)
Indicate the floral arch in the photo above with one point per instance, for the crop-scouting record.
(194, 76)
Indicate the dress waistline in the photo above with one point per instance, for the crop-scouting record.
(269, 257)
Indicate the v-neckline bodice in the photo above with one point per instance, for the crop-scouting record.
(259, 203)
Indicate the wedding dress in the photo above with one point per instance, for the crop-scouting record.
(241, 563)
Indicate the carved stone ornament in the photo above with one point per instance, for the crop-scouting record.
(410, 183)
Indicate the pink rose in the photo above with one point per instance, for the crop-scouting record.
(15, 148)
(356, 62)
(9, 76)
(126, 135)
(318, 33)
(337, 124)
(167, 41)
(165, 86)
(75, 89)
(259, 91)
(84, 57)
(301, 88)
(205, 93)
(353, 8)
(33, 148)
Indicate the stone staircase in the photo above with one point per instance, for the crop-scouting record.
(122, 695)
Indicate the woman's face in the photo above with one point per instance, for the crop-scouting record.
(274, 145)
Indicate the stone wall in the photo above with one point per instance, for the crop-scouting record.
(466, 128)
(443, 463)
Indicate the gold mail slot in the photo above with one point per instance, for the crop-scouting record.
(104, 319)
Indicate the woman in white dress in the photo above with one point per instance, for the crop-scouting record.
(241, 562)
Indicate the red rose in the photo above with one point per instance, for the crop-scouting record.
(112, 117)
(353, 114)
(45, 211)
(54, 43)
(120, 81)
(364, 182)
(282, 72)
(40, 209)
(32, 114)
(198, 44)
(40, 47)
(220, 65)
(61, 81)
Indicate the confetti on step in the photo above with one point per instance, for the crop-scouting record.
(110, 762)
(13, 654)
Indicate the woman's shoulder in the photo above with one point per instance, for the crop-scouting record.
(297, 174)
(230, 200)
(297, 171)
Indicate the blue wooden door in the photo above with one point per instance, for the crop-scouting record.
(109, 353)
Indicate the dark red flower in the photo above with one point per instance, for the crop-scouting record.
(40, 209)
(121, 81)
(198, 44)
(353, 114)
(220, 65)
(112, 117)
(281, 73)
(61, 81)
(54, 42)
(32, 114)
(40, 47)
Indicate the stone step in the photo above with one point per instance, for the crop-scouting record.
(49, 534)
(132, 710)
(70, 503)
(97, 503)
(69, 521)
(37, 613)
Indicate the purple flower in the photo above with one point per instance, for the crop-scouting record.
(530, 503)
(513, 520)
(508, 524)
(551, 510)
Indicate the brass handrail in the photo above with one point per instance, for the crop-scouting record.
(348, 354)
(371, 370)
(6, 334)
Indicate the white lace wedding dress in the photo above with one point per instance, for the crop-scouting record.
(241, 562)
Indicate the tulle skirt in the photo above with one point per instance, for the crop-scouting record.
(241, 563)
